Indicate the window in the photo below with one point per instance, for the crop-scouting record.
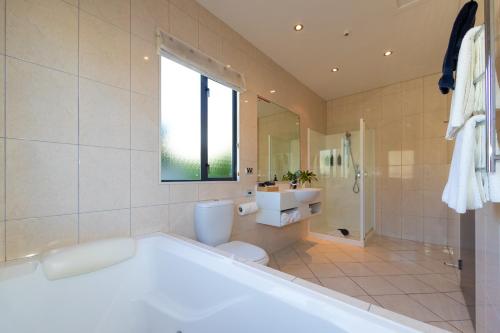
(198, 126)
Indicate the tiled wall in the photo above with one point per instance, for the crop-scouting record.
(412, 156)
(79, 121)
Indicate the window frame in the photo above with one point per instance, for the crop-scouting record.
(204, 166)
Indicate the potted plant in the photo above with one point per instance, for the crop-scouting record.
(306, 176)
(291, 178)
(299, 177)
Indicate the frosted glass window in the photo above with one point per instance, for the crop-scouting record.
(220, 130)
(198, 126)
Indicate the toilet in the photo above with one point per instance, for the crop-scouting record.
(213, 221)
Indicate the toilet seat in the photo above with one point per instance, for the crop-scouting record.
(246, 251)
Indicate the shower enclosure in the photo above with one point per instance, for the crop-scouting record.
(345, 165)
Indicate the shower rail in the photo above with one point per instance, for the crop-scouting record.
(490, 85)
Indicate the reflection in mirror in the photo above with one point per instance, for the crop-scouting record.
(279, 144)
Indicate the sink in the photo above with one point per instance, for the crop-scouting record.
(306, 195)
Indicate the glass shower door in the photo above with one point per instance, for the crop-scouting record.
(367, 179)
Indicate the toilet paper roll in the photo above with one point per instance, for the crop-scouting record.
(247, 208)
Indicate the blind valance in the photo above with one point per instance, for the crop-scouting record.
(177, 50)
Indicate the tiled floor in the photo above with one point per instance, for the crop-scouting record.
(402, 276)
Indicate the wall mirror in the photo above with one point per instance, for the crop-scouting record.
(278, 141)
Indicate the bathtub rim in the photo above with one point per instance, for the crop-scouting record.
(19, 267)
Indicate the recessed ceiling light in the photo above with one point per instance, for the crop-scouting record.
(335, 69)
(228, 66)
(298, 27)
(387, 53)
(246, 101)
(272, 91)
(146, 58)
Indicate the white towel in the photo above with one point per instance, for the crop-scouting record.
(462, 99)
(468, 99)
(464, 190)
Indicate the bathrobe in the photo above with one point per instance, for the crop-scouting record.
(464, 21)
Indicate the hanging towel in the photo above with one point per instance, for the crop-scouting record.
(462, 99)
(464, 21)
(468, 98)
(463, 190)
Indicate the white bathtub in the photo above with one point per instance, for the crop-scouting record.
(175, 285)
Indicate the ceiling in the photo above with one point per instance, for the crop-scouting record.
(416, 30)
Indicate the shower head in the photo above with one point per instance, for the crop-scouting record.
(347, 135)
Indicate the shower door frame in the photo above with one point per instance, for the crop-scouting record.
(361, 241)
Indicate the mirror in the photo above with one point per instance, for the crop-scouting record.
(278, 141)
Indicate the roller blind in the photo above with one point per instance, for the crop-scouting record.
(177, 50)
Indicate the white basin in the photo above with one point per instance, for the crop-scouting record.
(306, 195)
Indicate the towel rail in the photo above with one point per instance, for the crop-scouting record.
(490, 85)
(479, 78)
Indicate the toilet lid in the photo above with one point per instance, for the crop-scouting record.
(244, 250)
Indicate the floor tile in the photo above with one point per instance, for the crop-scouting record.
(314, 258)
(376, 285)
(457, 296)
(325, 270)
(339, 257)
(438, 282)
(445, 326)
(410, 267)
(287, 256)
(445, 307)
(384, 268)
(301, 271)
(354, 269)
(409, 284)
(365, 257)
(436, 266)
(405, 305)
(368, 299)
(343, 285)
(464, 326)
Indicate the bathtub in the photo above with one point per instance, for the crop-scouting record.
(178, 285)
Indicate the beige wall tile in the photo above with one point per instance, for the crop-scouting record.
(190, 7)
(32, 236)
(412, 96)
(146, 187)
(209, 42)
(435, 230)
(104, 115)
(145, 67)
(145, 123)
(42, 104)
(183, 26)
(433, 206)
(104, 179)
(391, 224)
(181, 219)
(107, 224)
(2, 241)
(44, 32)
(413, 228)
(116, 12)
(146, 220)
(183, 192)
(2, 180)
(147, 15)
(104, 52)
(42, 179)
(2, 95)
(412, 203)
(2, 26)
